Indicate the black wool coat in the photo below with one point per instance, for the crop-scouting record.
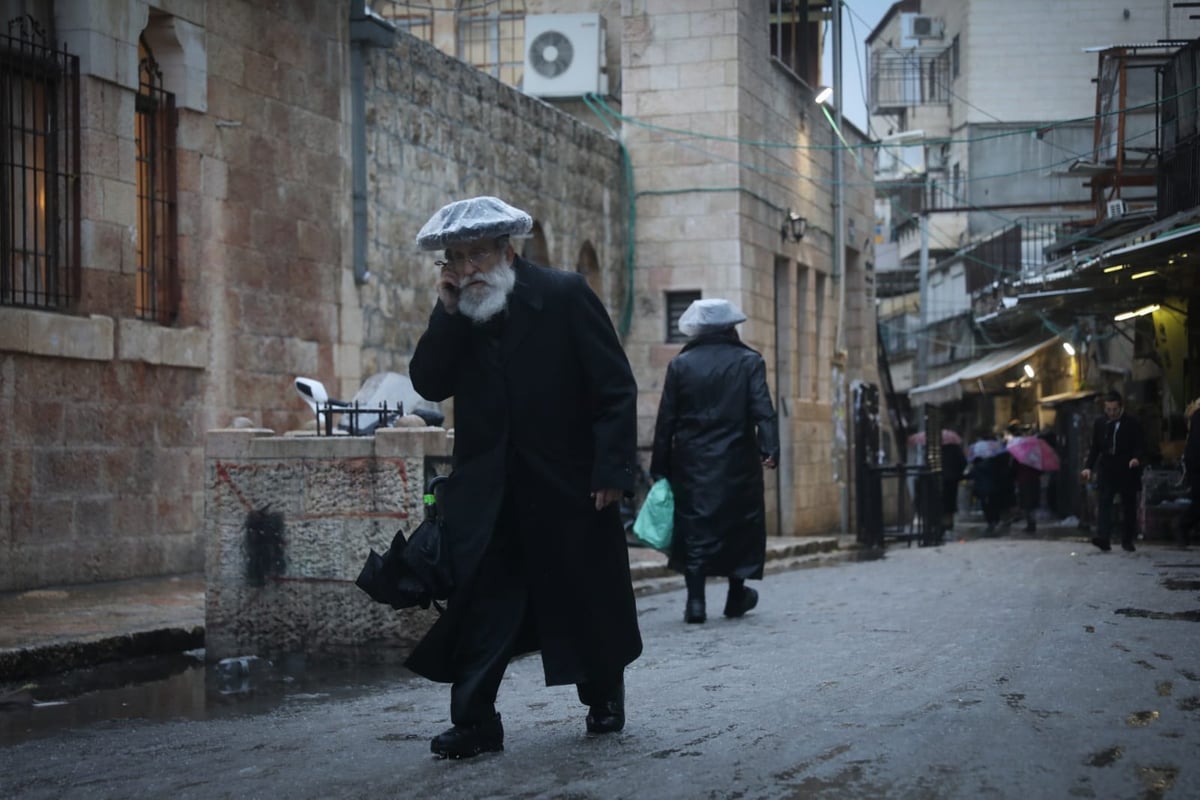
(547, 414)
(1130, 444)
(715, 425)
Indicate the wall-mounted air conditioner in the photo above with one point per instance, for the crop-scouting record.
(564, 55)
(1115, 209)
(919, 26)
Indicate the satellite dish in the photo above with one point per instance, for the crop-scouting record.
(551, 54)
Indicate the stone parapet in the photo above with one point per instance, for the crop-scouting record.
(289, 521)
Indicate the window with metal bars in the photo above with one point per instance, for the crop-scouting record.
(677, 303)
(157, 261)
(491, 37)
(415, 18)
(795, 30)
(39, 164)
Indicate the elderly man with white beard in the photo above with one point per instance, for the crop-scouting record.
(544, 444)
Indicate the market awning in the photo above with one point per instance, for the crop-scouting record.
(956, 384)
(1067, 397)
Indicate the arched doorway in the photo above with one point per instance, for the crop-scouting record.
(535, 248)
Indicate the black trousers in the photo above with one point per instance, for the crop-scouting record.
(497, 620)
(1192, 515)
(1128, 491)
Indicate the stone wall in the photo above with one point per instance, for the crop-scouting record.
(708, 217)
(289, 521)
(438, 132)
(102, 415)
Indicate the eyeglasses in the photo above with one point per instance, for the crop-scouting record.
(457, 260)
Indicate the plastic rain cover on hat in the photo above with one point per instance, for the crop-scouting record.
(705, 316)
(476, 218)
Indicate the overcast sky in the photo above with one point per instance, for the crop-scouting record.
(854, 33)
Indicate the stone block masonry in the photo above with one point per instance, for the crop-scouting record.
(289, 521)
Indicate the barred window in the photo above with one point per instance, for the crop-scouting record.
(39, 159)
(491, 37)
(157, 262)
(795, 31)
(677, 303)
(415, 18)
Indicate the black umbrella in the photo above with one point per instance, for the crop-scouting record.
(413, 571)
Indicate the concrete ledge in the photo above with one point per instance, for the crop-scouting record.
(138, 340)
(31, 662)
(47, 333)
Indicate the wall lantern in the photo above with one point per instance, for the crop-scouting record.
(1029, 371)
(793, 227)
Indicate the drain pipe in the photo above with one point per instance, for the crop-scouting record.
(367, 29)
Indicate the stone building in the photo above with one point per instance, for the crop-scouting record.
(225, 197)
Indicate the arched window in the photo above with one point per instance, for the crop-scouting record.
(39, 167)
(589, 267)
(154, 135)
(535, 248)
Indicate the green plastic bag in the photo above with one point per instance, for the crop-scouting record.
(656, 519)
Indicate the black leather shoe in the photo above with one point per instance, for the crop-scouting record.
(1103, 545)
(737, 604)
(695, 611)
(465, 741)
(609, 716)
(1128, 547)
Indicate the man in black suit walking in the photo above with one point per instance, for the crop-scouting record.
(1117, 442)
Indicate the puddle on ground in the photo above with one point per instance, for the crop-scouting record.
(1186, 616)
(1140, 719)
(1105, 758)
(1157, 781)
(179, 686)
(1181, 585)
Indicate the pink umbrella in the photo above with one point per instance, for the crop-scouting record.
(1033, 452)
(948, 437)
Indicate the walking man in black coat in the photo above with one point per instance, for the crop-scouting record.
(1117, 444)
(544, 446)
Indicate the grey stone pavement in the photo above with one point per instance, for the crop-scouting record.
(1015, 667)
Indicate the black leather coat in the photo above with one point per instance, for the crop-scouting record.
(715, 425)
(546, 411)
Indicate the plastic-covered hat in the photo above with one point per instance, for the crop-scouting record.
(476, 218)
(707, 316)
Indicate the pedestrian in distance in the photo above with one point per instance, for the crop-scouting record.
(989, 464)
(1191, 474)
(1116, 458)
(954, 466)
(545, 443)
(716, 430)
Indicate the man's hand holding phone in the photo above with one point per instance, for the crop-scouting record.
(448, 290)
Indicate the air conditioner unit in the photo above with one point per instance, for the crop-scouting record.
(564, 55)
(918, 26)
(1115, 208)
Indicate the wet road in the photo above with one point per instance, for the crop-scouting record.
(993, 668)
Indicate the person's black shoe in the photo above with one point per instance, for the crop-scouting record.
(1128, 547)
(1103, 545)
(609, 716)
(738, 603)
(694, 612)
(465, 741)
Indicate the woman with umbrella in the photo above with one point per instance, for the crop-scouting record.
(1031, 456)
(989, 469)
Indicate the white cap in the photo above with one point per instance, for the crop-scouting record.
(710, 315)
(476, 218)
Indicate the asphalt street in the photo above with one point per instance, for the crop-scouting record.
(992, 668)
